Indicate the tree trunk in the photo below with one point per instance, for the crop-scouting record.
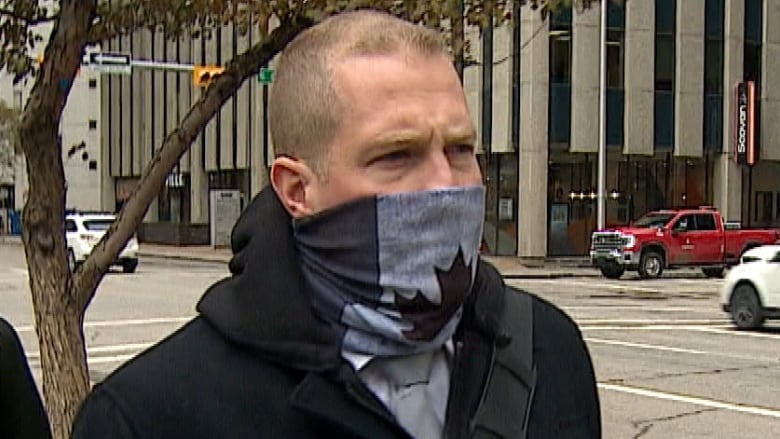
(58, 317)
(58, 313)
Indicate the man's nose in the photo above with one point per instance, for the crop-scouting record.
(438, 171)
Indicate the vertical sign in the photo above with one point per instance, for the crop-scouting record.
(744, 136)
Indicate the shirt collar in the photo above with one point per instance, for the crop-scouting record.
(360, 361)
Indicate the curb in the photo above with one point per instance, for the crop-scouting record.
(514, 276)
(184, 257)
(10, 240)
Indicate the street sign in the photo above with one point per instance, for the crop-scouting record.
(111, 62)
(265, 76)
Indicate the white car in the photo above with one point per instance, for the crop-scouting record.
(751, 291)
(84, 230)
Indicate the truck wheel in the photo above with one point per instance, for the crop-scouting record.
(651, 265)
(612, 271)
(713, 272)
(745, 308)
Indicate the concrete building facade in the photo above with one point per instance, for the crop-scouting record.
(80, 131)
(534, 96)
(672, 70)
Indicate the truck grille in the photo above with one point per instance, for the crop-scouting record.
(608, 241)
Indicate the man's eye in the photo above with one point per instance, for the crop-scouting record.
(464, 148)
(393, 157)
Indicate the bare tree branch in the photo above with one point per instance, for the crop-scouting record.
(175, 144)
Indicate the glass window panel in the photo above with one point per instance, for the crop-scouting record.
(560, 113)
(664, 62)
(561, 19)
(752, 62)
(665, 11)
(615, 53)
(615, 110)
(560, 59)
(713, 122)
(664, 120)
(615, 15)
(753, 20)
(714, 19)
(713, 68)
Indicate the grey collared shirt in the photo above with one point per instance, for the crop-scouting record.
(437, 388)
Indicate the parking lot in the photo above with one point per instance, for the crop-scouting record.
(667, 360)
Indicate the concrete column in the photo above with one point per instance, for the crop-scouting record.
(727, 179)
(185, 95)
(211, 133)
(502, 89)
(256, 152)
(689, 80)
(226, 113)
(243, 114)
(199, 188)
(533, 153)
(128, 88)
(770, 76)
(585, 80)
(472, 81)
(639, 118)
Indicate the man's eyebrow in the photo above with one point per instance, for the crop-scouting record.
(401, 137)
(461, 136)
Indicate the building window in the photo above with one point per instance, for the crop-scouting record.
(92, 83)
(92, 124)
(615, 71)
(560, 78)
(713, 75)
(665, 13)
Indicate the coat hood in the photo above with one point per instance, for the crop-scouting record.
(263, 304)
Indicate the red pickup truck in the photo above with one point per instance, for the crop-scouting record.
(675, 238)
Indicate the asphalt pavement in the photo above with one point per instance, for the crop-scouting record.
(668, 362)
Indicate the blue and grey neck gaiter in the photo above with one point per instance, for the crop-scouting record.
(391, 272)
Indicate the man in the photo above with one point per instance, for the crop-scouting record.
(358, 306)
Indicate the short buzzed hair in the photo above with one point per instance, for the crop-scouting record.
(305, 109)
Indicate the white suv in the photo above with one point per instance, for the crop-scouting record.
(84, 230)
(751, 291)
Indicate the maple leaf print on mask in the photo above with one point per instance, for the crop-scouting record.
(429, 318)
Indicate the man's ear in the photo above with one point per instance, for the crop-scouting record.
(291, 180)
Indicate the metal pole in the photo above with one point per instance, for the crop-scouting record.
(600, 204)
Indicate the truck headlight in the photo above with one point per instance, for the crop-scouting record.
(629, 241)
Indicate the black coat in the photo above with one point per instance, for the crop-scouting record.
(21, 410)
(258, 363)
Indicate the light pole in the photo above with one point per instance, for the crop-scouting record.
(602, 167)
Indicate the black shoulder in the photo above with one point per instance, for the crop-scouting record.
(101, 416)
(566, 402)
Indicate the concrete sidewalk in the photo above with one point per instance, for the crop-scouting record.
(510, 267)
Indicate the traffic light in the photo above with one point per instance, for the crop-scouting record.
(203, 75)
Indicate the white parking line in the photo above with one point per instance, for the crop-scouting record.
(105, 349)
(126, 322)
(726, 331)
(624, 286)
(695, 400)
(643, 346)
(661, 327)
(645, 322)
(629, 308)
